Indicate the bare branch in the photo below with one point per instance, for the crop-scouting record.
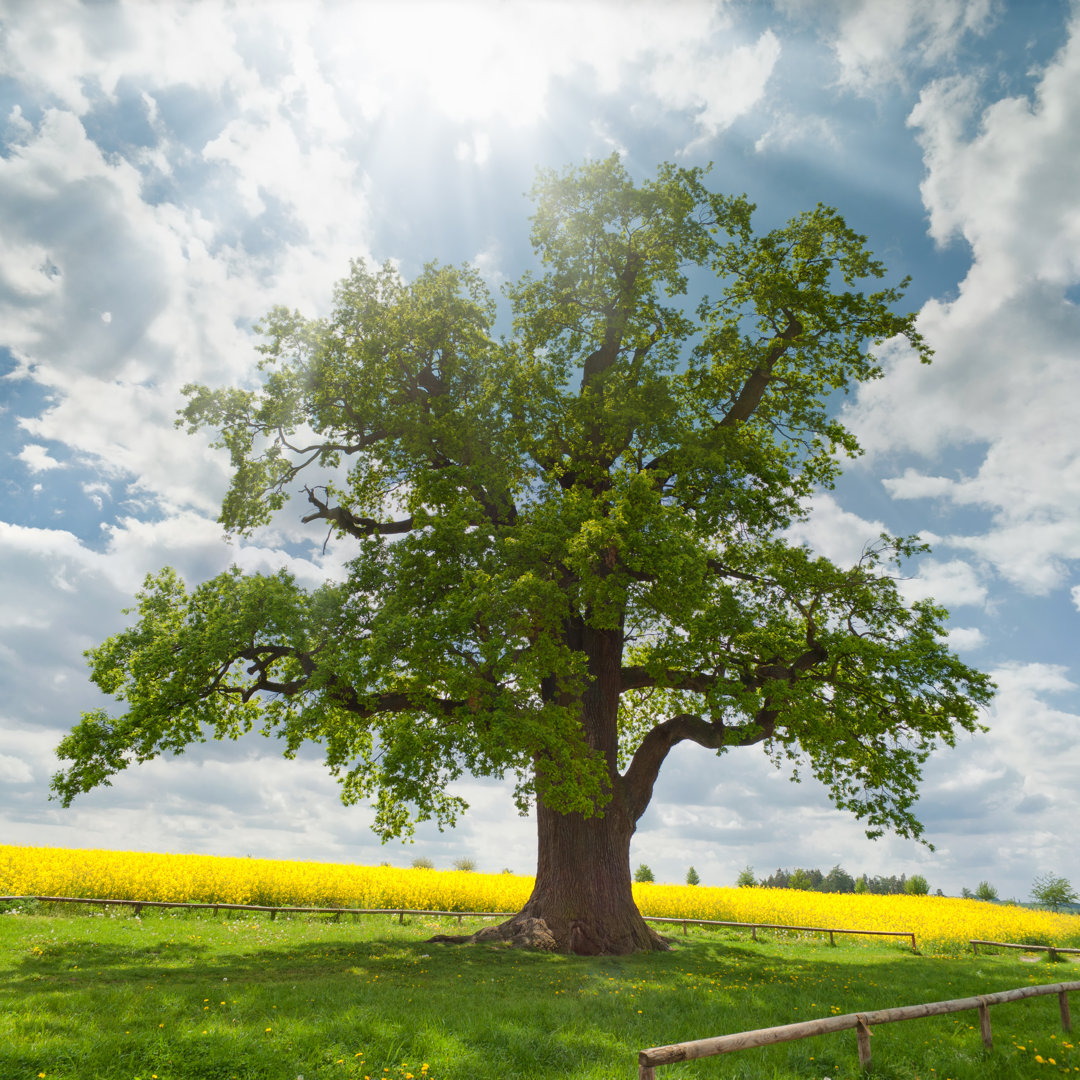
(360, 527)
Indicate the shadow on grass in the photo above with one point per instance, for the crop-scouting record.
(482, 1011)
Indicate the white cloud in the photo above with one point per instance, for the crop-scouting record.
(1005, 377)
(966, 637)
(838, 534)
(719, 89)
(880, 41)
(475, 150)
(36, 458)
(953, 584)
(14, 770)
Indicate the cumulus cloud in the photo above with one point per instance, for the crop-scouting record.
(1005, 366)
(36, 458)
(877, 42)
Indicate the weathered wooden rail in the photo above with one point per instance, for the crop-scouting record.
(273, 909)
(755, 927)
(402, 912)
(1053, 950)
(656, 1056)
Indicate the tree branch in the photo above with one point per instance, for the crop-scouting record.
(753, 389)
(360, 527)
(640, 776)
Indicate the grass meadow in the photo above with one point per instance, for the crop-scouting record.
(185, 995)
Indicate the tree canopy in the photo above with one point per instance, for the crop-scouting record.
(569, 543)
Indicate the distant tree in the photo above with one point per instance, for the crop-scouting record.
(746, 879)
(692, 877)
(800, 879)
(986, 891)
(568, 547)
(916, 885)
(465, 864)
(506, 870)
(838, 880)
(861, 888)
(938, 892)
(967, 894)
(779, 880)
(422, 863)
(643, 873)
(1053, 891)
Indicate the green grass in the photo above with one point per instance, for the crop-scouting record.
(187, 996)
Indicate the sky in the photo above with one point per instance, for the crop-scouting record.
(171, 171)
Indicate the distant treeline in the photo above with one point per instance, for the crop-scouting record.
(837, 880)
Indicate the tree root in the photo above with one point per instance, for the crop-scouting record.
(527, 932)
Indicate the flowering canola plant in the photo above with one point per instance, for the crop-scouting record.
(940, 924)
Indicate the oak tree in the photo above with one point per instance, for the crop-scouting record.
(569, 546)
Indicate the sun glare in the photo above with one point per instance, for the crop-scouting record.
(474, 63)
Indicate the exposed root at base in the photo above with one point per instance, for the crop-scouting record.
(528, 932)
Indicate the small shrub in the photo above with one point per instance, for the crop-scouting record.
(916, 885)
(643, 873)
(986, 891)
(465, 864)
(423, 864)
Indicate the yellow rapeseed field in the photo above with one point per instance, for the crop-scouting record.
(940, 924)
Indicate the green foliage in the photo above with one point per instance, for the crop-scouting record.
(746, 879)
(916, 885)
(800, 879)
(423, 863)
(985, 891)
(838, 880)
(465, 864)
(692, 877)
(861, 886)
(567, 545)
(643, 873)
(1053, 891)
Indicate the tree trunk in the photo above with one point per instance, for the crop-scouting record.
(582, 900)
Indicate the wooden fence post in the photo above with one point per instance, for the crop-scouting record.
(1066, 1021)
(984, 1024)
(832, 940)
(863, 1036)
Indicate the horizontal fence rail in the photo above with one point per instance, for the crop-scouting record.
(755, 927)
(649, 1060)
(273, 909)
(402, 912)
(1053, 950)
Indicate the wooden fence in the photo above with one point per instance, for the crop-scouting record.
(755, 927)
(1053, 950)
(649, 1060)
(402, 912)
(274, 910)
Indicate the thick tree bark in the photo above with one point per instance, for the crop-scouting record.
(582, 901)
